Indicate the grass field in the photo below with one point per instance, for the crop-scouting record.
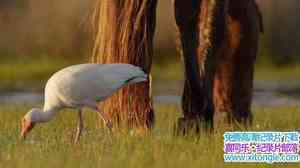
(49, 145)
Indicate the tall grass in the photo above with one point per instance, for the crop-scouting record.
(49, 145)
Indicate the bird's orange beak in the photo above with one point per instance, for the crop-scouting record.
(26, 127)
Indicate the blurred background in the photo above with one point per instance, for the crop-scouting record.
(39, 37)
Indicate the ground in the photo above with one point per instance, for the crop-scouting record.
(49, 145)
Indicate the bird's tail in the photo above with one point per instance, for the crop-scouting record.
(137, 79)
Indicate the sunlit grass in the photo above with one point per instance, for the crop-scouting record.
(49, 145)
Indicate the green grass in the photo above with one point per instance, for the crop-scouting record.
(29, 73)
(170, 71)
(49, 145)
(275, 73)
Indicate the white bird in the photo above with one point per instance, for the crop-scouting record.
(79, 86)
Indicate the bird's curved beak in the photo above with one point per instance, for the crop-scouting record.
(26, 127)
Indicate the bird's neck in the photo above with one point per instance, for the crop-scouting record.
(47, 114)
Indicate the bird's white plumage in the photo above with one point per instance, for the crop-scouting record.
(77, 84)
(81, 86)
(84, 85)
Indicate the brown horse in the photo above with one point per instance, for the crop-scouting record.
(219, 42)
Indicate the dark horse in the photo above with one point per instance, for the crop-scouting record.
(219, 43)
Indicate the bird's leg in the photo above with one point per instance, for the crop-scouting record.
(104, 117)
(79, 126)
